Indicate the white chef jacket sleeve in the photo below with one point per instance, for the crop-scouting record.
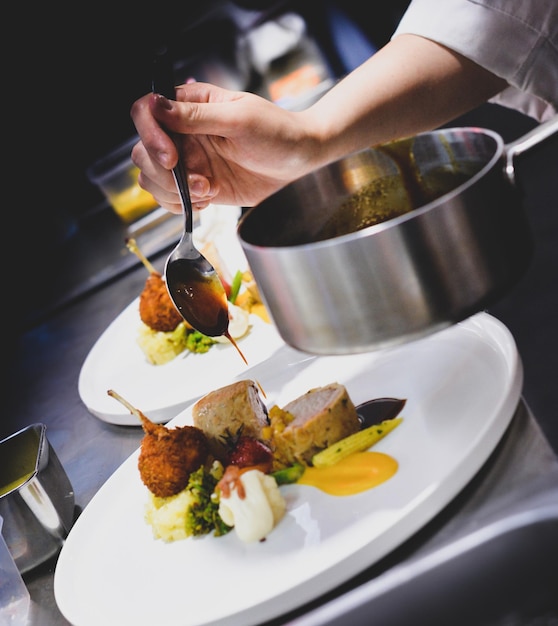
(515, 39)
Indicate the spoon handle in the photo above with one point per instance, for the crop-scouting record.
(181, 181)
(163, 83)
(162, 76)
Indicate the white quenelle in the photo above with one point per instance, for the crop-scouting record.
(239, 324)
(256, 514)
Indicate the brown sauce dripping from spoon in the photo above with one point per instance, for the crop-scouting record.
(227, 335)
(201, 300)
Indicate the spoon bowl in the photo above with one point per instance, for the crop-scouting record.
(196, 290)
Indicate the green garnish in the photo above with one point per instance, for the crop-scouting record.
(198, 342)
(235, 286)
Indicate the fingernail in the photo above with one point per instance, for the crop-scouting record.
(164, 159)
(198, 188)
(165, 103)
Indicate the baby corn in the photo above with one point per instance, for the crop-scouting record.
(357, 442)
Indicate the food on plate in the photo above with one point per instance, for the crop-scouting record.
(184, 480)
(310, 423)
(357, 442)
(156, 308)
(192, 512)
(241, 289)
(251, 502)
(251, 452)
(294, 433)
(211, 253)
(167, 455)
(163, 333)
(160, 347)
(239, 324)
(168, 516)
(289, 475)
(225, 471)
(228, 413)
(250, 299)
(358, 472)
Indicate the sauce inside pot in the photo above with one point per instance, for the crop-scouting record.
(387, 197)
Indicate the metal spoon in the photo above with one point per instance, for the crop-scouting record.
(192, 281)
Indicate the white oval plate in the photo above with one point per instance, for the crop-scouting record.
(462, 386)
(117, 362)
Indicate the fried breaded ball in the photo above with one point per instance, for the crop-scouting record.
(169, 455)
(156, 308)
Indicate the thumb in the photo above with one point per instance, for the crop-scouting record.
(200, 109)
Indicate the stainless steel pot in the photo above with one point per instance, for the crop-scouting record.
(392, 243)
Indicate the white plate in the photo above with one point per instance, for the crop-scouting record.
(160, 391)
(462, 387)
(117, 362)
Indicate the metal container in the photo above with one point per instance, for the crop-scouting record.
(14, 595)
(36, 497)
(393, 243)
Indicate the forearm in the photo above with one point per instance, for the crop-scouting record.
(409, 86)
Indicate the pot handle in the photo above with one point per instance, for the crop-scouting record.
(534, 137)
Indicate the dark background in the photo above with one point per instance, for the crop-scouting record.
(88, 62)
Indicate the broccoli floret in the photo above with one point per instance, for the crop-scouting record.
(203, 516)
(198, 342)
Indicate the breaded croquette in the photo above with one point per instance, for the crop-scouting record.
(167, 455)
(156, 308)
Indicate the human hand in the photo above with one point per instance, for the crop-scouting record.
(238, 148)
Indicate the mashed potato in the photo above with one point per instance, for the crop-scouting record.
(167, 516)
(161, 347)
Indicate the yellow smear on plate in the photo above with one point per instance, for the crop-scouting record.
(356, 473)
